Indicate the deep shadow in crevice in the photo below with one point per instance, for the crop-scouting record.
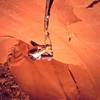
(48, 7)
(93, 4)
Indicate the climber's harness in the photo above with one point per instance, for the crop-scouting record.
(43, 52)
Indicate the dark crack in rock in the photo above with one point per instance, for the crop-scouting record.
(93, 3)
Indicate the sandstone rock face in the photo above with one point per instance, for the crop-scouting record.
(81, 3)
(74, 27)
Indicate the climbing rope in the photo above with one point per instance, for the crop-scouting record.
(47, 14)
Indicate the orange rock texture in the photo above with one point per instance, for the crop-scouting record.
(74, 29)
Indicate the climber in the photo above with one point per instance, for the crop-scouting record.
(40, 52)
